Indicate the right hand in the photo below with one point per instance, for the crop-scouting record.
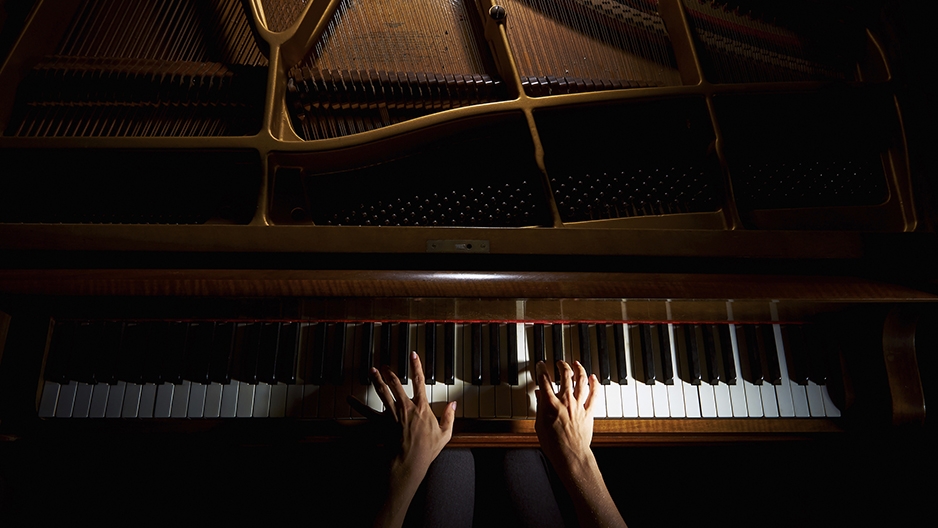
(564, 423)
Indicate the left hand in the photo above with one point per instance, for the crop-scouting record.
(422, 437)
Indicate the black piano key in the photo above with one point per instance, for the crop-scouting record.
(689, 348)
(384, 345)
(337, 355)
(317, 353)
(710, 357)
(622, 369)
(267, 352)
(557, 338)
(647, 354)
(403, 351)
(133, 352)
(429, 353)
(749, 355)
(664, 353)
(288, 352)
(818, 344)
(85, 355)
(172, 346)
(495, 350)
(110, 353)
(199, 351)
(540, 351)
(57, 362)
(769, 347)
(728, 373)
(246, 348)
(449, 353)
(367, 352)
(156, 357)
(602, 354)
(586, 359)
(513, 354)
(476, 359)
(796, 353)
(223, 344)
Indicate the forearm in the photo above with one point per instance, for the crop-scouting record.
(402, 486)
(584, 482)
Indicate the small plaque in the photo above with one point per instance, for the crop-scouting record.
(457, 246)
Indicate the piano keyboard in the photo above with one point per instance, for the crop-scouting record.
(307, 369)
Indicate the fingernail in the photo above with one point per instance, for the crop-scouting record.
(374, 370)
(413, 355)
(452, 405)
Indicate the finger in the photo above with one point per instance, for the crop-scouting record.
(544, 384)
(590, 399)
(416, 369)
(446, 421)
(384, 393)
(566, 377)
(362, 409)
(394, 384)
(581, 388)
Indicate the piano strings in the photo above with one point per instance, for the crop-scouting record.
(148, 68)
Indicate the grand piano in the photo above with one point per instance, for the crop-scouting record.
(215, 216)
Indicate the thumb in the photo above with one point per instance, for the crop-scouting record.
(446, 421)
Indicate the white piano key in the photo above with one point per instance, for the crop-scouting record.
(769, 400)
(695, 396)
(830, 409)
(164, 400)
(245, 406)
(180, 407)
(359, 390)
(99, 400)
(486, 398)
(409, 387)
(724, 402)
(63, 408)
(230, 395)
(115, 400)
(82, 400)
(131, 402)
(294, 403)
(278, 400)
(311, 400)
(600, 407)
(522, 405)
(738, 391)
(815, 400)
(503, 389)
(470, 392)
(676, 407)
(455, 391)
(50, 395)
(708, 403)
(147, 401)
(261, 407)
(799, 399)
(630, 407)
(326, 401)
(659, 398)
(196, 407)
(213, 395)
(786, 407)
(342, 392)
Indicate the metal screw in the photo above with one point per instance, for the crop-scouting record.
(497, 13)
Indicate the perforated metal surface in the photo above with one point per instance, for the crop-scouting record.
(634, 192)
(819, 183)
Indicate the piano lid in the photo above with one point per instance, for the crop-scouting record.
(600, 116)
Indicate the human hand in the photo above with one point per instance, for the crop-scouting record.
(564, 423)
(421, 436)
